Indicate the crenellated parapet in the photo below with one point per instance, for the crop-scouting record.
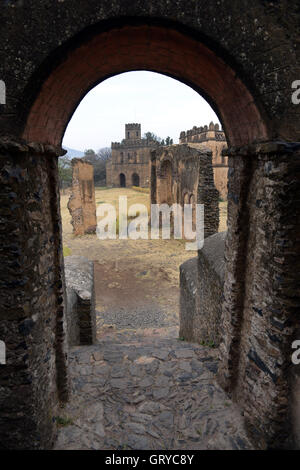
(213, 137)
(133, 143)
(202, 134)
(133, 126)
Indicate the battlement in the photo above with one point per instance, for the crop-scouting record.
(132, 126)
(202, 134)
(132, 131)
(131, 143)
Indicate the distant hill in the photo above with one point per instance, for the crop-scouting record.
(73, 153)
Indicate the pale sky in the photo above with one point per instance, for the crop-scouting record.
(160, 104)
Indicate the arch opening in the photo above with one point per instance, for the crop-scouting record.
(135, 179)
(122, 178)
(153, 48)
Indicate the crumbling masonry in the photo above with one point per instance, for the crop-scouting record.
(82, 202)
(211, 137)
(182, 174)
(233, 55)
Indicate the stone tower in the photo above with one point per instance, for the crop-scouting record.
(132, 131)
(130, 159)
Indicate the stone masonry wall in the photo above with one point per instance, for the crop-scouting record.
(213, 138)
(201, 293)
(80, 306)
(232, 52)
(260, 317)
(191, 181)
(82, 202)
(34, 379)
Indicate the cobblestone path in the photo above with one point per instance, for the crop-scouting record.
(145, 389)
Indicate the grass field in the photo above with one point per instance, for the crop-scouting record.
(111, 196)
(132, 275)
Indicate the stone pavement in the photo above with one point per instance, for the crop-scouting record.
(146, 389)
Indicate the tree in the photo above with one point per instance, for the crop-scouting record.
(98, 160)
(151, 137)
(104, 153)
(90, 156)
(64, 172)
(169, 141)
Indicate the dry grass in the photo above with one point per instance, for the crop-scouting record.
(111, 196)
(147, 267)
(223, 216)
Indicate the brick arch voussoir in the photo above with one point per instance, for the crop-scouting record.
(143, 48)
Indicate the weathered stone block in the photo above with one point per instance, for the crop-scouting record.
(201, 292)
(82, 202)
(80, 305)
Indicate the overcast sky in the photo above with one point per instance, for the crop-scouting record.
(160, 104)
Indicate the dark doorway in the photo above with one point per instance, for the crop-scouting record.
(135, 179)
(122, 180)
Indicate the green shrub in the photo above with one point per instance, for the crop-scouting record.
(63, 421)
(66, 251)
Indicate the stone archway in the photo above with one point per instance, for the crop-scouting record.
(122, 179)
(47, 119)
(259, 319)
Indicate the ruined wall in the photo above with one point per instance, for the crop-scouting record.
(82, 202)
(211, 137)
(183, 174)
(232, 51)
(260, 317)
(34, 379)
(201, 293)
(80, 305)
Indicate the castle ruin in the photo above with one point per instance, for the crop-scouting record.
(181, 174)
(82, 203)
(238, 73)
(211, 137)
(129, 163)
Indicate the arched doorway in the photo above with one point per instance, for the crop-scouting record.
(135, 179)
(136, 48)
(49, 101)
(122, 178)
